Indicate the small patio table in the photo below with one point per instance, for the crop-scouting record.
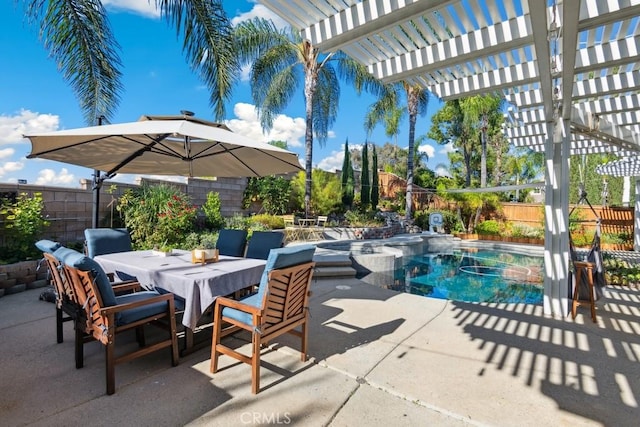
(198, 284)
(305, 227)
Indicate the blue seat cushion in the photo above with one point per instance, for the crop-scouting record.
(47, 246)
(129, 316)
(262, 242)
(83, 263)
(231, 242)
(101, 241)
(278, 258)
(239, 315)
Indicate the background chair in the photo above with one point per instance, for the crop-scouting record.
(262, 242)
(279, 306)
(102, 241)
(107, 315)
(231, 242)
(292, 231)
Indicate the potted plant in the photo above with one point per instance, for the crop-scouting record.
(206, 250)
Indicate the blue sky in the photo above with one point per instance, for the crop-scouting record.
(157, 81)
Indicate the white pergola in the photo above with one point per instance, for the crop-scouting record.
(570, 71)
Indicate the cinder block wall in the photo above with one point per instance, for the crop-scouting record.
(69, 210)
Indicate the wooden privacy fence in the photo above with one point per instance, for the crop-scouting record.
(614, 220)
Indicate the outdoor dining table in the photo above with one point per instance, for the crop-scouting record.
(197, 284)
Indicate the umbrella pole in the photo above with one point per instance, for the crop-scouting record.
(97, 184)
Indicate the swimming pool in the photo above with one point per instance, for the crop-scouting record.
(470, 275)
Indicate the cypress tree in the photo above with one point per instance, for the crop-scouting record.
(365, 184)
(347, 177)
(375, 184)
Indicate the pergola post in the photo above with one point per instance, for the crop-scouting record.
(636, 219)
(556, 242)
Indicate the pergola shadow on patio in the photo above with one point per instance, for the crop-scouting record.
(377, 357)
(567, 68)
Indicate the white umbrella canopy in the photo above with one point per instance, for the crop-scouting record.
(164, 145)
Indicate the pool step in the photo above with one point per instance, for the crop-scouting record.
(333, 267)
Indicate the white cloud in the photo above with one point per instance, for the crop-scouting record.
(245, 73)
(6, 153)
(50, 177)
(141, 7)
(260, 11)
(332, 162)
(442, 170)
(285, 128)
(429, 150)
(447, 148)
(12, 128)
(9, 167)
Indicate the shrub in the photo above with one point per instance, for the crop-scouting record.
(489, 227)
(237, 221)
(526, 231)
(211, 209)
(157, 216)
(270, 222)
(23, 226)
(449, 220)
(363, 219)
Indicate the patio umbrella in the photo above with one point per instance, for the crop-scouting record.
(162, 145)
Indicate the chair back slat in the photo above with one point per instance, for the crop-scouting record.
(286, 298)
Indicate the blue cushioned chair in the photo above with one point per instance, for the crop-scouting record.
(101, 241)
(262, 242)
(231, 242)
(108, 314)
(66, 308)
(279, 306)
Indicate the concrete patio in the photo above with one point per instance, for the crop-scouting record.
(377, 358)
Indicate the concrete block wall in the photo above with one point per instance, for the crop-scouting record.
(69, 210)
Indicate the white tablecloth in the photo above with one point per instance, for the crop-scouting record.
(197, 284)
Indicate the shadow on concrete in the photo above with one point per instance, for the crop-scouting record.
(589, 369)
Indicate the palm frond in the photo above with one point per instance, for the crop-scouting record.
(325, 102)
(208, 44)
(78, 36)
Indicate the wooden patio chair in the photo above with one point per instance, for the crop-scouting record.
(316, 232)
(261, 243)
(108, 315)
(280, 306)
(291, 230)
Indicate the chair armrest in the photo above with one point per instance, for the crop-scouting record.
(238, 305)
(127, 285)
(128, 306)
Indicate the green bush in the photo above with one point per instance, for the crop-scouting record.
(157, 216)
(23, 226)
(490, 227)
(237, 222)
(270, 222)
(526, 231)
(449, 220)
(211, 209)
(363, 219)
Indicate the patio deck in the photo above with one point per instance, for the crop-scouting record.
(377, 358)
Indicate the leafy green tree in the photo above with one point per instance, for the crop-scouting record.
(212, 211)
(79, 38)
(417, 99)
(582, 171)
(273, 192)
(325, 187)
(365, 183)
(523, 166)
(478, 112)
(280, 60)
(375, 181)
(347, 177)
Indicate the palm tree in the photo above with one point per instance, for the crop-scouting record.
(281, 59)
(78, 36)
(386, 106)
(479, 111)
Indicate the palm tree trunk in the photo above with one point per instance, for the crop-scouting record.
(310, 82)
(483, 158)
(412, 107)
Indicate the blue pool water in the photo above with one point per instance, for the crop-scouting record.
(473, 276)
